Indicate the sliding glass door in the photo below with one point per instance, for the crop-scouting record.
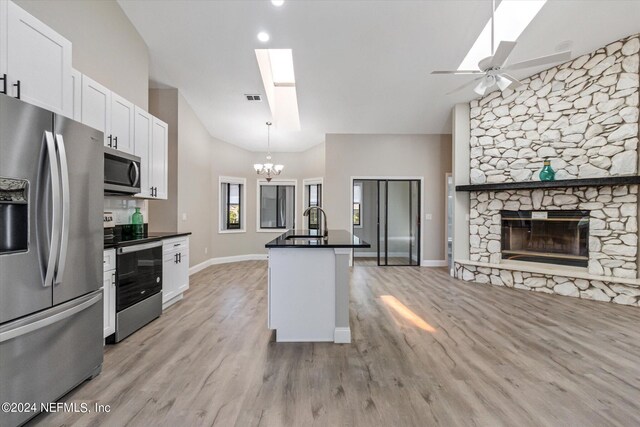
(399, 222)
(386, 213)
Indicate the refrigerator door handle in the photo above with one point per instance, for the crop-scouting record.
(55, 199)
(44, 322)
(64, 241)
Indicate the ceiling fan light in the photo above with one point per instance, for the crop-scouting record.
(502, 82)
(480, 88)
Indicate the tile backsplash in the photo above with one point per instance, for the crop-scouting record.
(123, 208)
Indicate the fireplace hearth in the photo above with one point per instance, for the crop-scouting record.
(552, 237)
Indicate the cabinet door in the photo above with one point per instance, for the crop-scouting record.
(122, 113)
(182, 276)
(142, 148)
(109, 293)
(159, 158)
(4, 11)
(169, 268)
(96, 107)
(40, 60)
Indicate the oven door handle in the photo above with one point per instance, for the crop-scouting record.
(139, 247)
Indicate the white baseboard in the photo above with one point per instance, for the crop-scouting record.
(434, 263)
(226, 260)
(342, 335)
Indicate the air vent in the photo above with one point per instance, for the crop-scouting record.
(254, 98)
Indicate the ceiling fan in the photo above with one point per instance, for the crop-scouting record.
(492, 71)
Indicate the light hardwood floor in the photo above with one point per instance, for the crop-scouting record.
(493, 357)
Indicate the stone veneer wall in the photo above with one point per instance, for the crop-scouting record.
(613, 223)
(551, 284)
(582, 115)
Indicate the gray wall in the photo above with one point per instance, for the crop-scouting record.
(230, 160)
(106, 45)
(195, 198)
(349, 155)
(163, 103)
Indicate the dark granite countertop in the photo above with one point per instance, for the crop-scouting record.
(336, 239)
(149, 237)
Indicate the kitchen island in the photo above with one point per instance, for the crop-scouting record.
(308, 285)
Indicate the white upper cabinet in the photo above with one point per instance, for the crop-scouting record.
(142, 147)
(96, 107)
(159, 158)
(109, 113)
(36, 61)
(122, 112)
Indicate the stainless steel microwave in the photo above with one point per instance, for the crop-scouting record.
(121, 172)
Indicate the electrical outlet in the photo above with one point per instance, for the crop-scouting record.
(206, 251)
(428, 217)
(184, 216)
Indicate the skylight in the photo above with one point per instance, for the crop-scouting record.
(282, 67)
(511, 18)
(278, 77)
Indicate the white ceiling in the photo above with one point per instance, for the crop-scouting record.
(361, 66)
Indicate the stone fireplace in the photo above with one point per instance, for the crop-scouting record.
(576, 240)
(551, 237)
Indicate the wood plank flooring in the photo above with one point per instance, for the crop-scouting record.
(495, 357)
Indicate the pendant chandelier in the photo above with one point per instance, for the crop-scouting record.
(268, 169)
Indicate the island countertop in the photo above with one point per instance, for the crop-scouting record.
(336, 239)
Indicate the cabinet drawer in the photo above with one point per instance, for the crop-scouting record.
(109, 259)
(175, 244)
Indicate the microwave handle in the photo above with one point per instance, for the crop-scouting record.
(136, 169)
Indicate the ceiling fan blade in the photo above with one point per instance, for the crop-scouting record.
(543, 60)
(458, 72)
(467, 84)
(501, 54)
(514, 82)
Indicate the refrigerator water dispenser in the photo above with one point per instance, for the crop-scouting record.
(14, 215)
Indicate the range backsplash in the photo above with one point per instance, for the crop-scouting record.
(124, 207)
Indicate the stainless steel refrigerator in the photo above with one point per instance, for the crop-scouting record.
(51, 239)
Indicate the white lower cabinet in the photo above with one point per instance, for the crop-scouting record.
(109, 293)
(175, 269)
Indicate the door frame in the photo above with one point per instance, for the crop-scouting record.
(389, 178)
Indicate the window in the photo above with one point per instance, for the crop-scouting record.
(232, 196)
(313, 197)
(276, 205)
(357, 204)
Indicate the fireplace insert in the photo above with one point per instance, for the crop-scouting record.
(553, 237)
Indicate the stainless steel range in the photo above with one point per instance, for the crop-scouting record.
(138, 287)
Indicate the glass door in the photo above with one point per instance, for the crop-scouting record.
(398, 222)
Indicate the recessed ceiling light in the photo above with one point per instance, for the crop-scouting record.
(263, 37)
(277, 2)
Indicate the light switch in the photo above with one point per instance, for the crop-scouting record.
(184, 216)
(428, 217)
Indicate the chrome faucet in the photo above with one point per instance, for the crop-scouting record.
(325, 230)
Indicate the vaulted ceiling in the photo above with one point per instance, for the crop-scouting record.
(361, 66)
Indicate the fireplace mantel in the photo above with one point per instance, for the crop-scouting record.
(564, 183)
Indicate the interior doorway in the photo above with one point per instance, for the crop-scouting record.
(386, 213)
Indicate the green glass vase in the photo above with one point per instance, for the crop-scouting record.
(138, 223)
(547, 173)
